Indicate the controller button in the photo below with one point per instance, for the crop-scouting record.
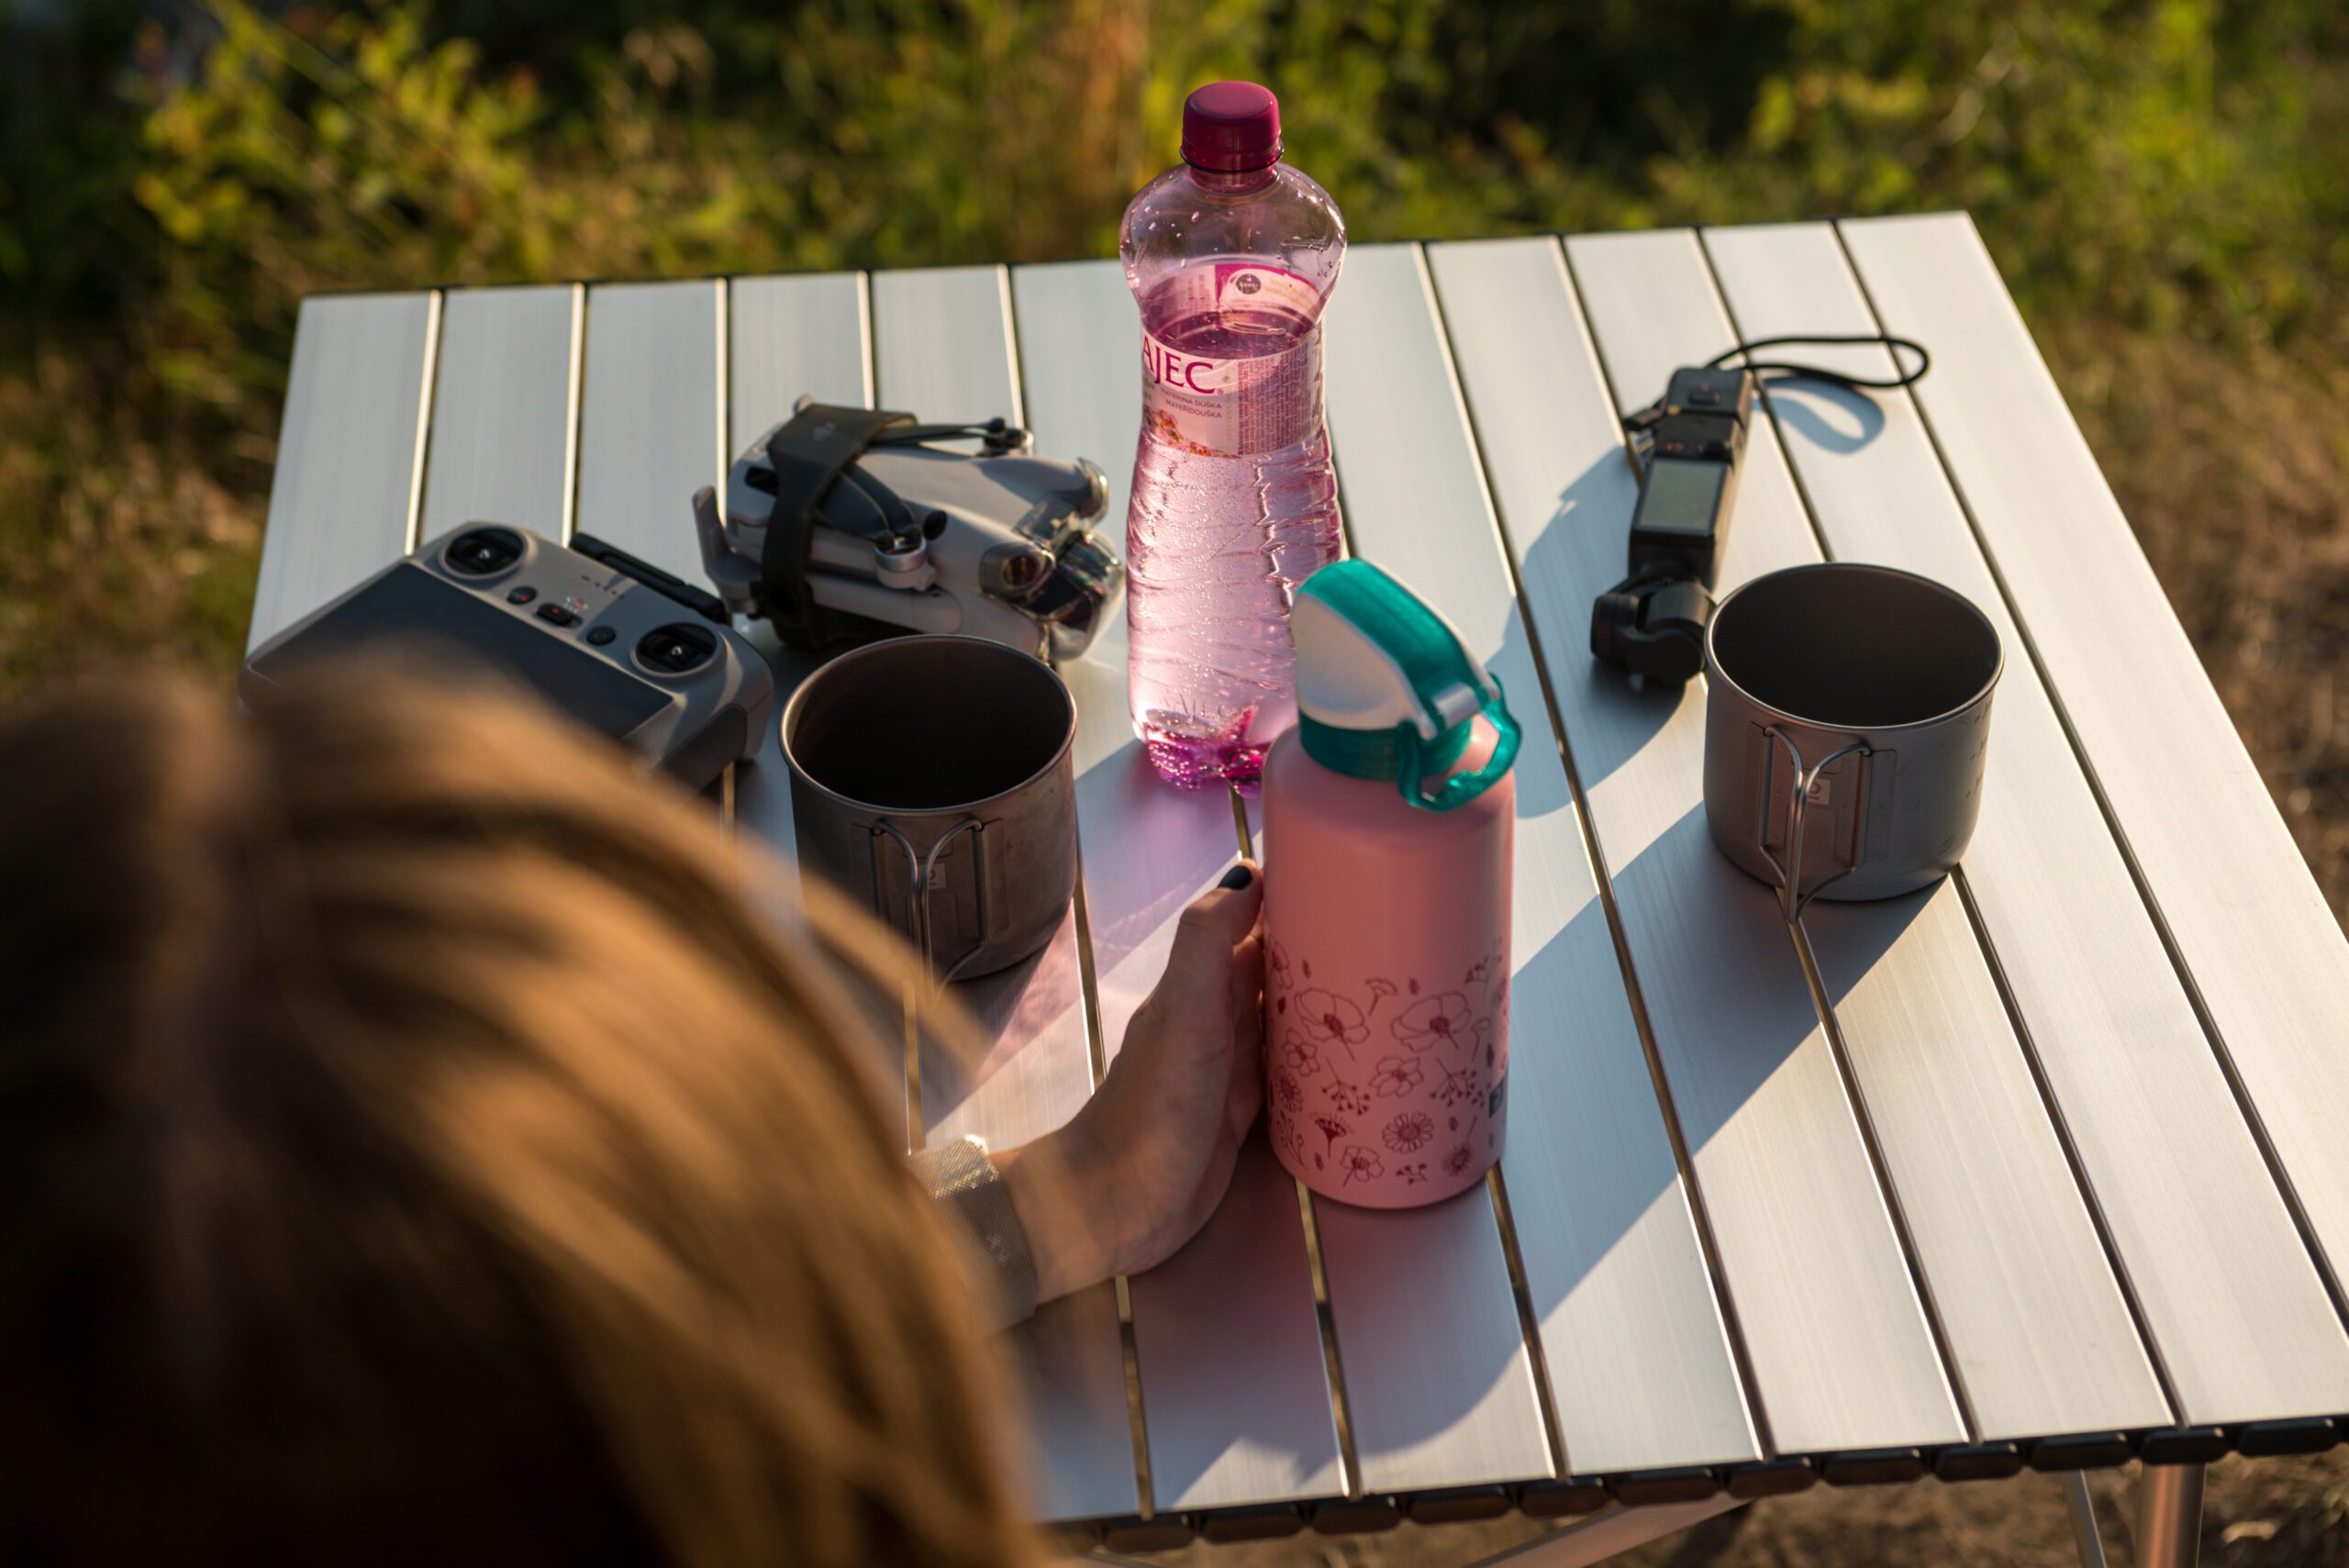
(601, 635)
(521, 595)
(555, 615)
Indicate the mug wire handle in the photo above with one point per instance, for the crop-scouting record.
(922, 869)
(1790, 896)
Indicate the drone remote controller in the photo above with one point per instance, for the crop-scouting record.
(617, 644)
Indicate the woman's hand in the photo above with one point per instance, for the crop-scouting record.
(1136, 1173)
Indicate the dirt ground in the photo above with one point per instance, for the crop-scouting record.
(2269, 1513)
(2240, 505)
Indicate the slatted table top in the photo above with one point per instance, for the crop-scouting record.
(2045, 1168)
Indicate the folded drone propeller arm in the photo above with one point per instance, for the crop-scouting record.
(810, 452)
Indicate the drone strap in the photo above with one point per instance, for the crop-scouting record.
(809, 452)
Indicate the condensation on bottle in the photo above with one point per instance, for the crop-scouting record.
(1231, 256)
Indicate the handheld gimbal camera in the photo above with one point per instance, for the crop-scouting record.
(1686, 446)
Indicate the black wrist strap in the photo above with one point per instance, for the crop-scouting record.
(1901, 377)
(1790, 370)
(810, 452)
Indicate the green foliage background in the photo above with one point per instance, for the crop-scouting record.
(2162, 182)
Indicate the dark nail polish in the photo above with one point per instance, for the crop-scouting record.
(1238, 876)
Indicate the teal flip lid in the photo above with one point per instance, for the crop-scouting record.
(1386, 688)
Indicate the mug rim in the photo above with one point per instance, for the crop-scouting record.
(1715, 672)
(799, 770)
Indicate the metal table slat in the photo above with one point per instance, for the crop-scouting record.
(2014, 1268)
(2253, 1337)
(650, 432)
(784, 337)
(1438, 1379)
(1839, 1342)
(943, 350)
(2265, 954)
(344, 496)
(505, 410)
(952, 359)
(1227, 1339)
(1639, 1359)
(943, 345)
(807, 333)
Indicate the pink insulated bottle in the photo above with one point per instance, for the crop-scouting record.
(1389, 817)
(1231, 257)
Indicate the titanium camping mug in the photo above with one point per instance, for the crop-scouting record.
(932, 778)
(1847, 717)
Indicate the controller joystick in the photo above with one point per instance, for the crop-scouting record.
(677, 649)
(484, 552)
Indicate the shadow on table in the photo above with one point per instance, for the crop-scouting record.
(1578, 554)
(1032, 1074)
(1580, 551)
(1264, 1413)
(1147, 850)
(1722, 1039)
(1741, 1005)
(1833, 418)
(1602, 1228)
(1600, 1223)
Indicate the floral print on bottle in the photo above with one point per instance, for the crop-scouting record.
(1388, 1091)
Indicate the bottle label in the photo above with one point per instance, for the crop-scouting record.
(1234, 408)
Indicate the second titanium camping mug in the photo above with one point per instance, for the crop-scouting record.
(932, 778)
(1847, 717)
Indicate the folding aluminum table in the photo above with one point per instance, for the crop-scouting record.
(2041, 1167)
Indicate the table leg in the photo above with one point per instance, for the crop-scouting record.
(1600, 1537)
(2169, 1515)
(2083, 1531)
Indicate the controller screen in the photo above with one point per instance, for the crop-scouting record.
(448, 627)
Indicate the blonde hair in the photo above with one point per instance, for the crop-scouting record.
(414, 1147)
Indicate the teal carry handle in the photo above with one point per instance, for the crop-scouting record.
(1461, 788)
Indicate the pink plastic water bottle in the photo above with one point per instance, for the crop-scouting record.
(1390, 821)
(1231, 257)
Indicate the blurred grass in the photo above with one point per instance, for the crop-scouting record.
(2161, 181)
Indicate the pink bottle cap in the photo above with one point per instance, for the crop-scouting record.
(1232, 127)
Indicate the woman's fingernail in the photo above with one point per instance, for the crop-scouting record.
(1238, 877)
